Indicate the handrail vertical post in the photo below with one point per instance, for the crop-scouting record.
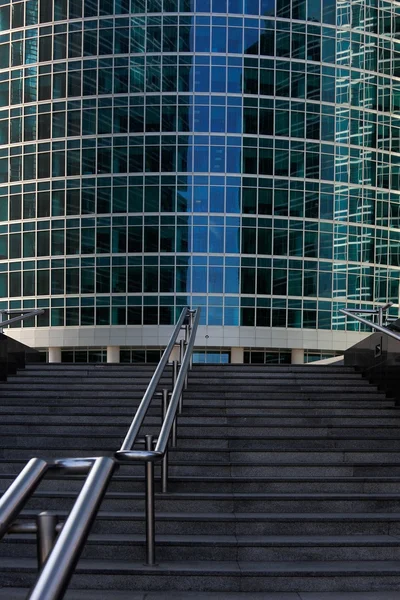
(181, 400)
(174, 433)
(46, 523)
(174, 372)
(181, 351)
(191, 319)
(150, 517)
(185, 345)
(164, 463)
(58, 569)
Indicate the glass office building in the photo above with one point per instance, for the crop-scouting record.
(239, 155)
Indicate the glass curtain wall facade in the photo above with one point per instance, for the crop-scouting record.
(239, 155)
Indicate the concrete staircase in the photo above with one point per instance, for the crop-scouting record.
(286, 478)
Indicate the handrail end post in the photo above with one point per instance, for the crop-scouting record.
(150, 512)
(46, 523)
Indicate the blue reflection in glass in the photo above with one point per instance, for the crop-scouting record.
(235, 6)
(217, 242)
(235, 40)
(251, 7)
(218, 124)
(199, 240)
(218, 37)
(231, 316)
(201, 118)
(201, 78)
(232, 200)
(215, 280)
(267, 7)
(232, 280)
(200, 203)
(199, 279)
(217, 194)
(234, 80)
(233, 160)
(219, 6)
(202, 39)
(234, 119)
(217, 160)
(200, 162)
(232, 240)
(251, 37)
(214, 315)
(218, 79)
(203, 6)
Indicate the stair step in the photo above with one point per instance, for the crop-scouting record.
(20, 594)
(225, 547)
(360, 523)
(221, 575)
(286, 478)
(245, 502)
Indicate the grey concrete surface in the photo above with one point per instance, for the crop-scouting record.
(20, 594)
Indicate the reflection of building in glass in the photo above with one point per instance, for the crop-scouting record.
(238, 155)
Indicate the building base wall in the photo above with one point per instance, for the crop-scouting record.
(207, 336)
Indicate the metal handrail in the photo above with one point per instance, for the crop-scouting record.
(24, 313)
(136, 424)
(351, 312)
(160, 453)
(126, 452)
(60, 564)
(58, 560)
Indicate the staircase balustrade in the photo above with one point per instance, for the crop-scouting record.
(58, 554)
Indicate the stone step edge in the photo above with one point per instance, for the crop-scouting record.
(233, 479)
(361, 517)
(296, 541)
(223, 568)
(231, 496)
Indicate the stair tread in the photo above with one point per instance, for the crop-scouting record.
(239, 420)
(79, 594)
(239, 516)
(235, 495)
(243, 568)
(237, 540)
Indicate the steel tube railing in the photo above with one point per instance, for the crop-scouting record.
(46, 533)
(165, 432)
(126, 453)
(19, 492)
(381, 328)
(150, 510)
(168, 431)
(152, 387)
(60, 558)
(22, 314)
(59, 567)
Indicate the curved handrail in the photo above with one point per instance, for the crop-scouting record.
(381, 328)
